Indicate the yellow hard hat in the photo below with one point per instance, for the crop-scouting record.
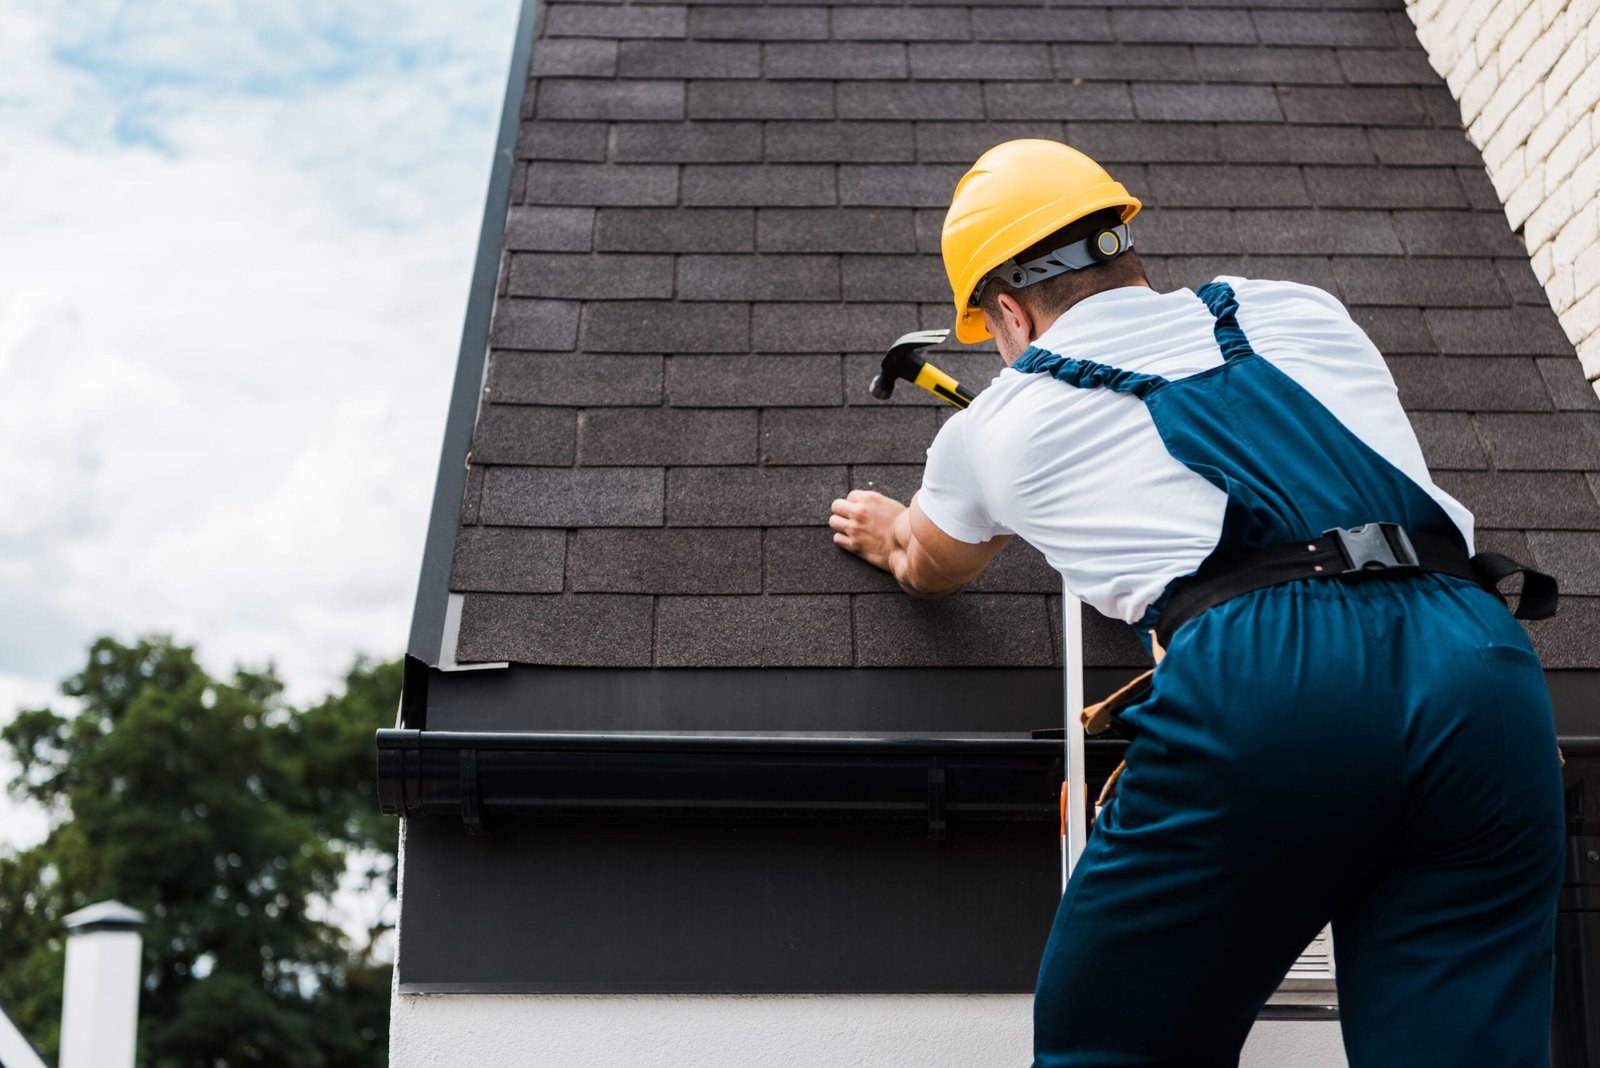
(1018, 193)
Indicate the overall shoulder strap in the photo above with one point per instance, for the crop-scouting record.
(1224, 304)
(1085, 374)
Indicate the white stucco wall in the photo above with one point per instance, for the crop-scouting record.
(922, 1031)
(1527, 75)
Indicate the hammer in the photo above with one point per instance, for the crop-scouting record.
(902, 361)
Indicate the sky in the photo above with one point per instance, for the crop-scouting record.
(235, 245)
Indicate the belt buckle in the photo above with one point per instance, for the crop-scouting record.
(1374, 547)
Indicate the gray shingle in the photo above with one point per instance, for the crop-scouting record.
(1144, 142)
(751, 496)
(1020, 568)
(1572, 638)
(856, 59)
(1307, 270)
(894, 278)
(1447, 283)
(603, 20)
(550, 229)
(1036, 24)
(1361, 106)
(664, 326)
(518, 434)
(964, 142)
(827, 327)
(689, 59)
(885, 434)
(1474, 384)
(574, 379)
(1337, 232)
(763, 23)
(556, 630)
(1175, 231)
(1293, 144)
(1559, 500)
(604, 277)
(664, 436)
(1457, 233)
(1212, 26)
(578, 141)
(1208, 186)
(893, 185)
(761, 100)
(899, 481)
(1364, 187)
(676, 230)
(509, 560)
(1122, 62)
(835, 230)
(860, 142)
(1564, 441)
(585, 98)
(900, 24)
(1057, 100)
(1448, 441)
(986, 62)
(575, 57)
(1518, 278)
(758, 277)
(805, 560)
(1413, 147)
(1395, 330)
(573, 496)
(1387, 66)
(590, 185)
(968, 630)
(665, 560)
(1206, 103)
(1563, 375)
(1354, 28)
(753, 381)
(805, 631)
(910, 100)
(687, 142)
(1283, 66)
(471, 495)
(1497, 332)
(534, 324)
(759, 185)
(1573, 557)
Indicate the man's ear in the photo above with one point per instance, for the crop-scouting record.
(1017, 317)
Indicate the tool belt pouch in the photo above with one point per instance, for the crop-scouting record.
(1098, 716)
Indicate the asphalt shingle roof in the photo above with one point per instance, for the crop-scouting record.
(722, 213)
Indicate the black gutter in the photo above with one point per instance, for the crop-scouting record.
(478, 776)
(433, 586)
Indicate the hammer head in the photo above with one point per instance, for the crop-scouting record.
(902, 361)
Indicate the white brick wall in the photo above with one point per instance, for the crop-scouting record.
(1527, 74)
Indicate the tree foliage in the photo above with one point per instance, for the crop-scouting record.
(228, 818)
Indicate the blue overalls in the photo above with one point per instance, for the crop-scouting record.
(1379, 753)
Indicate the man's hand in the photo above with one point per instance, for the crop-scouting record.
(864, 523)
(903, 541)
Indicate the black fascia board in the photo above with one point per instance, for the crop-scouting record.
(479, 776)
(433, 584)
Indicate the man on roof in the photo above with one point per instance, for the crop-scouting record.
(1344, 725)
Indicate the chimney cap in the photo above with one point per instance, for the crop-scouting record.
(103, 916)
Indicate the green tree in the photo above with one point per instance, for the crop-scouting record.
(226, 816)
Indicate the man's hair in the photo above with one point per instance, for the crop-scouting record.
(1055, 295)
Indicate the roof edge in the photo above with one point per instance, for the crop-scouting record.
(433, 585)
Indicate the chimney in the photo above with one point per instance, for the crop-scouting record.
(100, 1009)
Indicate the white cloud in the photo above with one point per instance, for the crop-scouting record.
(237, 245)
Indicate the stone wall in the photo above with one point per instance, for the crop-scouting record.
(1527, 75)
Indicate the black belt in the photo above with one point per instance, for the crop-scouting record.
(1374, 549)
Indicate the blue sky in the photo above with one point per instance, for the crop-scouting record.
(236, 245)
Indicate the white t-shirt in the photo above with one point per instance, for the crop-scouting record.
(1082, 474)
